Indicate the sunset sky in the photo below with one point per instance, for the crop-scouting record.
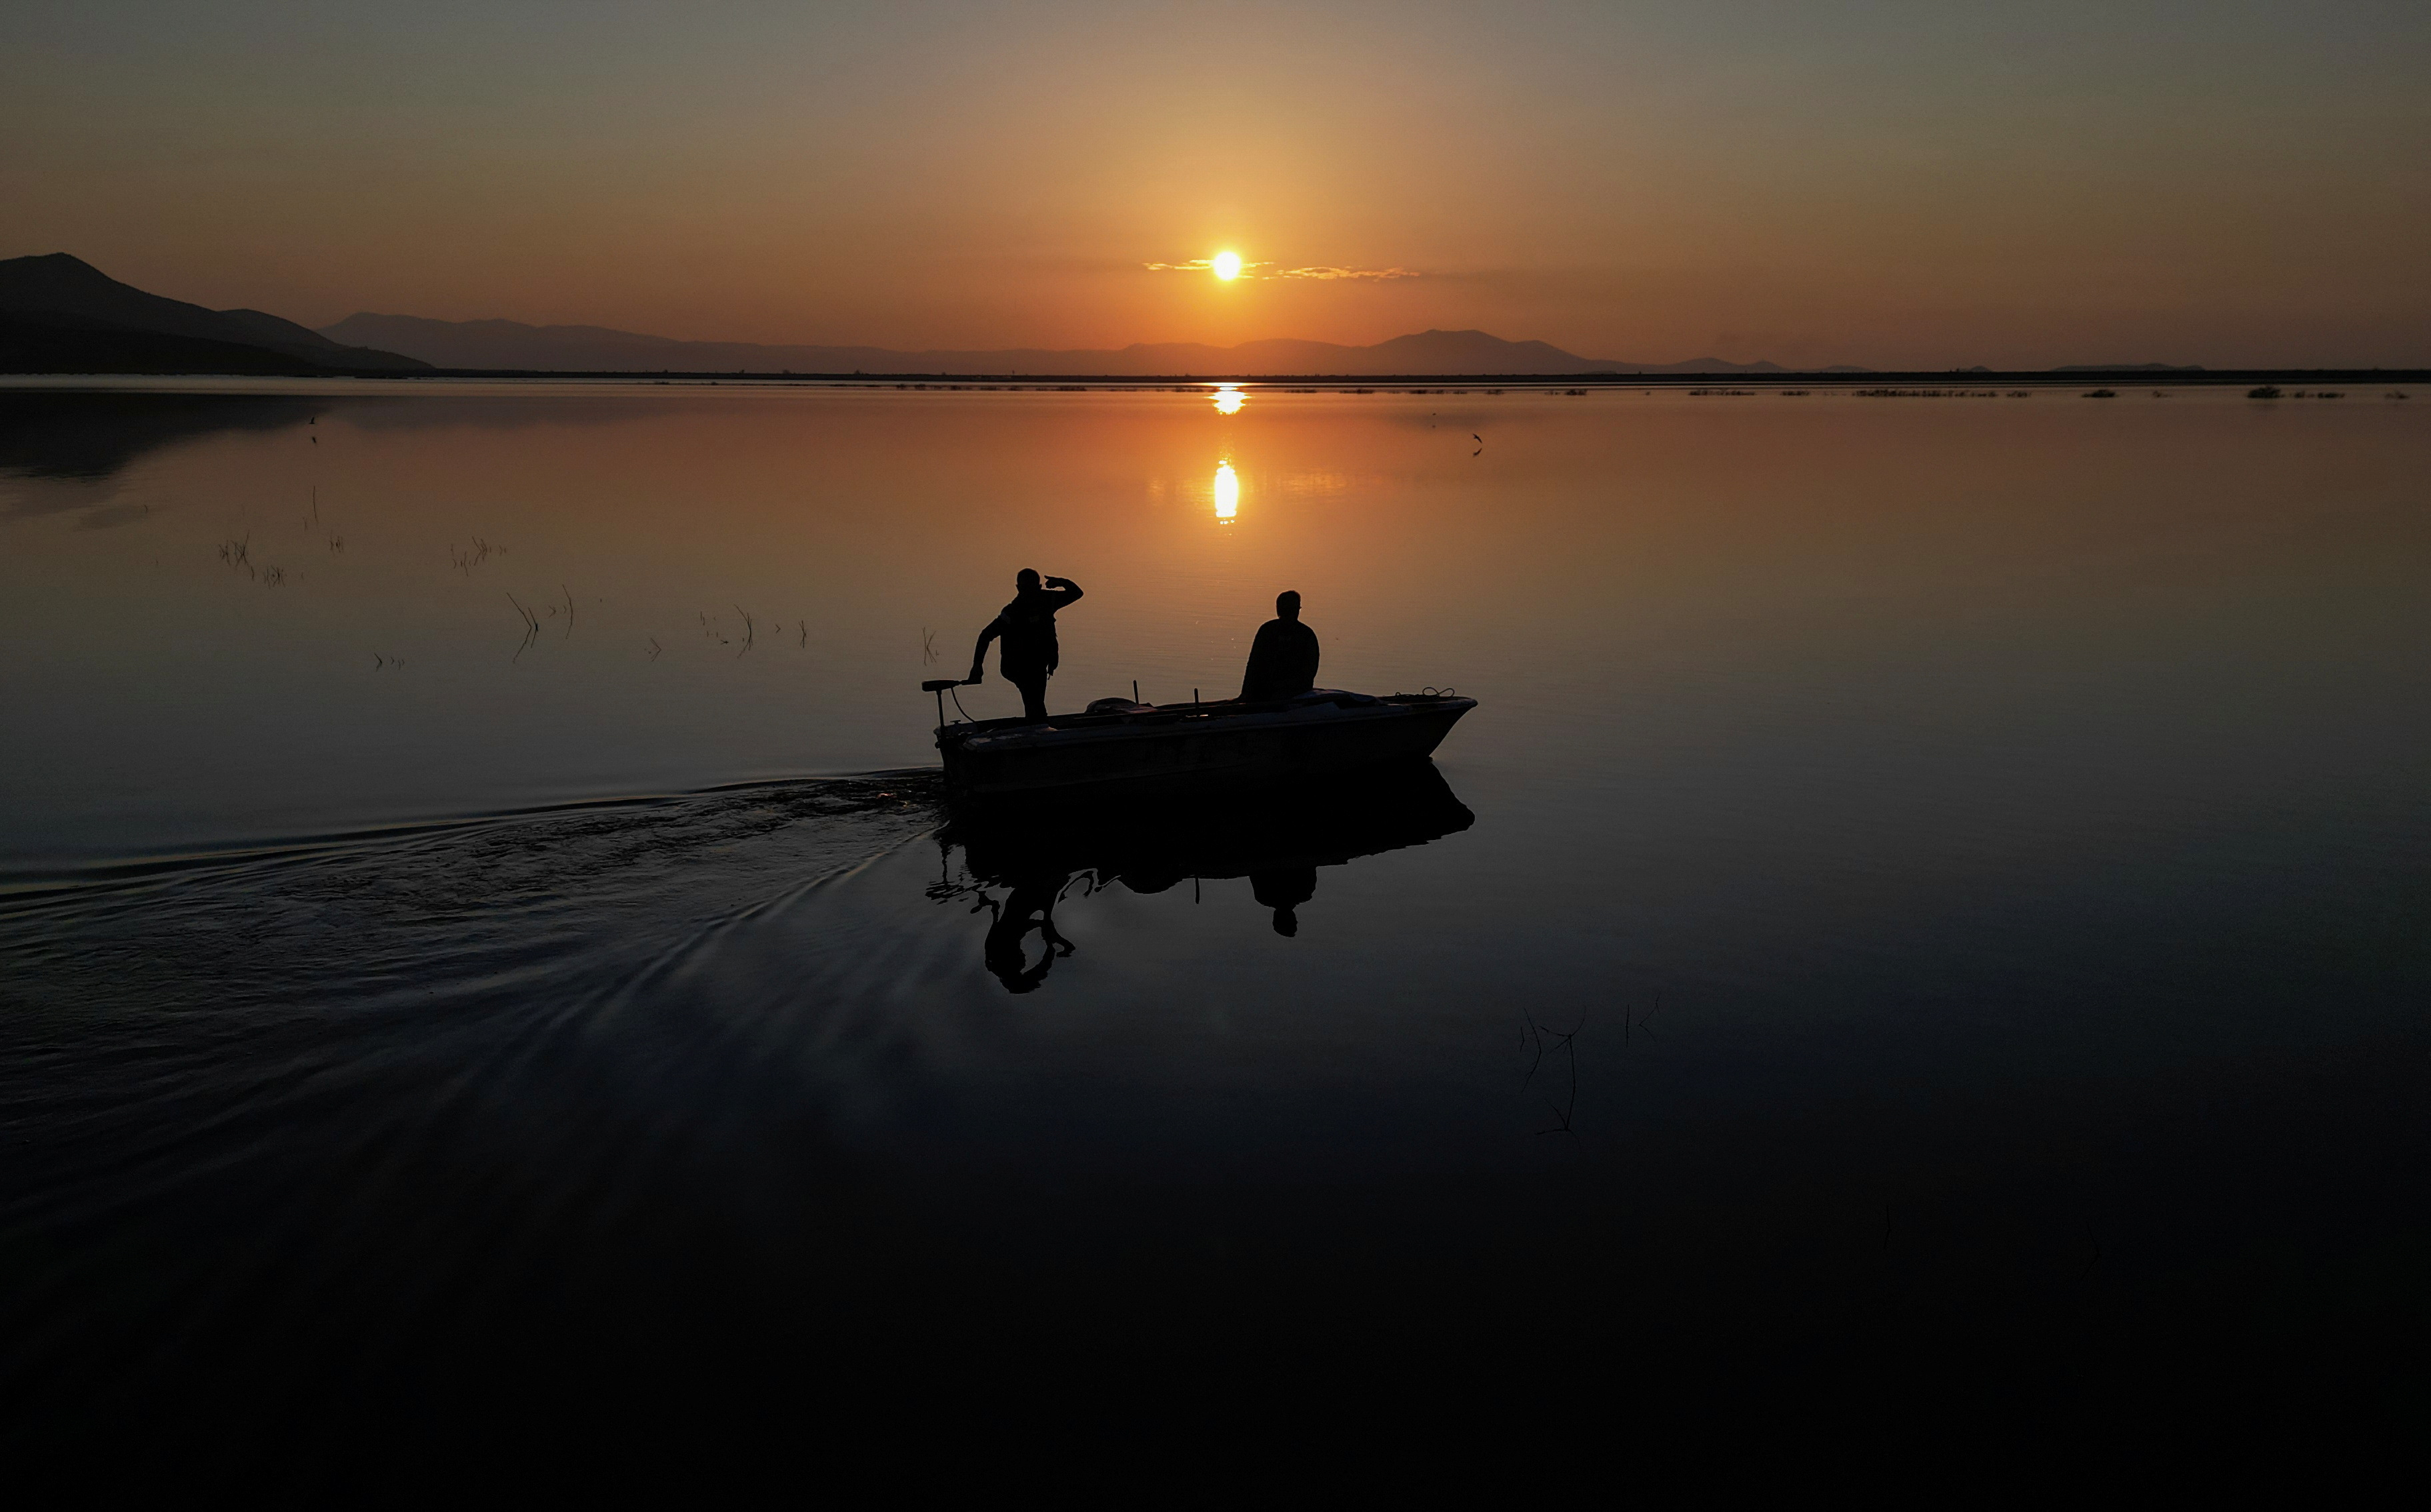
(1894, 185)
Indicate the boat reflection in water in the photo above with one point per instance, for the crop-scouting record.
(1017, 865)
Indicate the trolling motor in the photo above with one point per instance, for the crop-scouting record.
(938, 686)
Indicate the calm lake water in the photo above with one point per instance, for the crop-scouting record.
(1938, 876)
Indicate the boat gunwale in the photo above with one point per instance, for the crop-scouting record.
(1166, 720)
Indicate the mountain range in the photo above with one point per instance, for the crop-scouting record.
(515, 347)
(61, 314)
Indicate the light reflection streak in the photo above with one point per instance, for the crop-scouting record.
(1228, 492)
(1228, 400)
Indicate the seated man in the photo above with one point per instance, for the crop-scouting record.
(1282, 659)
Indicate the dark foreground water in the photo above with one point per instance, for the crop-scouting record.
(1931, 902)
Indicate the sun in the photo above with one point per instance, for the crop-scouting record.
(1226, 265)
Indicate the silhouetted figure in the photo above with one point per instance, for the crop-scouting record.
(1031, 906)
(1282, 659)
(1284, 889)
(1026, 626)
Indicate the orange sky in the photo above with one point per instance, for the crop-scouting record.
(1891, 185)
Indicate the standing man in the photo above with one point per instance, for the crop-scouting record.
(1027, 626)
(1282, 659)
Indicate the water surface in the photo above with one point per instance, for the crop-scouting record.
(1920, 871)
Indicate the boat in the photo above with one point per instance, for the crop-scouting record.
(1121, 745)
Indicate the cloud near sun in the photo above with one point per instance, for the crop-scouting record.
(1250, 270)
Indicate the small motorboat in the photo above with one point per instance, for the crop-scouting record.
(1116, 745)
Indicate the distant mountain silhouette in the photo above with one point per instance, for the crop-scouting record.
(60, 314)
(514, 346)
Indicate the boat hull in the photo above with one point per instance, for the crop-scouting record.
(1192, 749)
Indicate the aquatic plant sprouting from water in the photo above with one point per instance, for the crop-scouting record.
(531, 627)
(473, 556)
(2267, 391)
(1535, 1039)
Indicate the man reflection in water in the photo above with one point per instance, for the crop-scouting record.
(1282, 659)
(1030, 906)
(1284, 889)
(1027, 626)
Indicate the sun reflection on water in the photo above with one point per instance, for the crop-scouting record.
(1228, 400)
(1228, 492)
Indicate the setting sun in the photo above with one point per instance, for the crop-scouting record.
(1226, 265)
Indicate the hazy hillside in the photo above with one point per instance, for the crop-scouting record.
(514, 345)
(60, 313)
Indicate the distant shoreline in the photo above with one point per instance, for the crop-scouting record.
(2044, 378)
